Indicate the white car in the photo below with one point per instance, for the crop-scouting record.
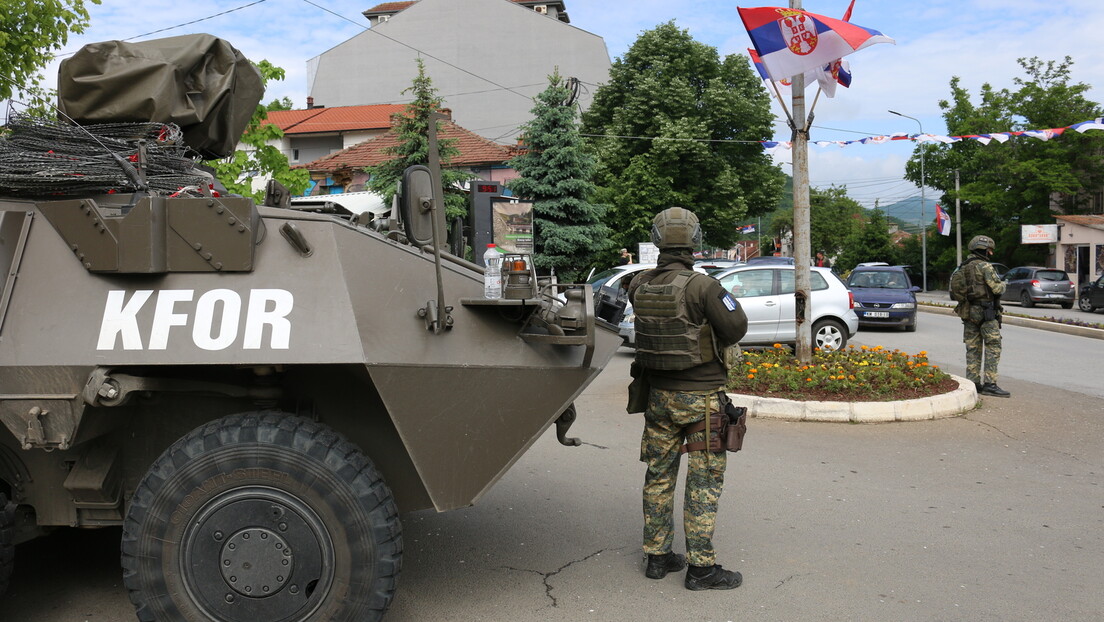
(766, 294)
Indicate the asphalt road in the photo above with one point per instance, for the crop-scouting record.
(996, 515)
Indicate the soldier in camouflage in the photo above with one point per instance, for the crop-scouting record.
(682, 394)
(981, 317)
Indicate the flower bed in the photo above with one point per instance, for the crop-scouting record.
(853, 374)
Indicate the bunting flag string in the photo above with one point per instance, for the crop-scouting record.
(1096, 124)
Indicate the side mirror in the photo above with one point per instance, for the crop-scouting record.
(914, 288)
(417, 205)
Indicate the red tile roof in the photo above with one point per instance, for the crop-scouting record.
(474, 150)
(395, 7)
(388, 7)
(1090, 220)
(338, 119)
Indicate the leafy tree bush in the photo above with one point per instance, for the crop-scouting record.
(669, 125)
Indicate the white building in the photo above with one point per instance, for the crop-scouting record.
(487, 59)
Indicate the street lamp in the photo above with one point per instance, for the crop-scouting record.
(923, 221)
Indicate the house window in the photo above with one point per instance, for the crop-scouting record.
(294, 155)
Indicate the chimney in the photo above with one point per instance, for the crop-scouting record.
(447, 112)
(310, 102)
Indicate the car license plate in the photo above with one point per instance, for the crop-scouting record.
(877, 314)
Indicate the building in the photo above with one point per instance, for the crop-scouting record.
(487, 59)
(1080, 247)
(343, 171)
(317, 131)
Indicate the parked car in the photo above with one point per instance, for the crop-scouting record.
(1091, 296)
(766, 293)
(713, 266)
(884, 296)
(771, 261)
(1032, 285)
(611, 286)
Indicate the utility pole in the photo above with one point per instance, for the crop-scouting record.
(958, 223)
(802, 278)
(923, 221)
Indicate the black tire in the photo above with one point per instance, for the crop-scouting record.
(1084, 304)
(911, 328)
(1026, 301)
(829, 335)
(7, 541)
(261, 517)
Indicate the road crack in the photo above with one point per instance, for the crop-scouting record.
(547, 576)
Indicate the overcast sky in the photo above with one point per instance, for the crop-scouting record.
(977, 40)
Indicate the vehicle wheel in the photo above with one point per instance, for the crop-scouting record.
(1026, 301)
(7, 541)
(262, 516)
(829, 335)
(1084, 304)
(911, 328)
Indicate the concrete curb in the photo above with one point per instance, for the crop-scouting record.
(1012, 320)
(961, 400)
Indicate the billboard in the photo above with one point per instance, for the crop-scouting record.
(513, 225)
(1038, 234)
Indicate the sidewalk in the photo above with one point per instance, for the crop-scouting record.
(939, 301)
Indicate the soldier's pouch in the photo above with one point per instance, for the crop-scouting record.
(638, 390)
(726, 429)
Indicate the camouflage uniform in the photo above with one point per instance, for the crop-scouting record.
(676, 400)
(668, 413)
(981, 335)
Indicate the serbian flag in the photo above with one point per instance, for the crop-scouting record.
(747, 229)
(790, 41)
(942, 221)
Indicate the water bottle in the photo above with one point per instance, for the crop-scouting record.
(492, 277)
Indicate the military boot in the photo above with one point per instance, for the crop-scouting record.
(660, 565)
(991, 388)
(712, 578)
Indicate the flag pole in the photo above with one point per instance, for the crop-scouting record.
(802, 272)
(778, 94)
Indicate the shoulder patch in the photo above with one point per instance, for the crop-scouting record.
(728, 300)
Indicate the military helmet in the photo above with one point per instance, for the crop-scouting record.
(676, 227)
(981, 242)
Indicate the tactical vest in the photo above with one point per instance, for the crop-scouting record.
(666, 337)
(976, 290)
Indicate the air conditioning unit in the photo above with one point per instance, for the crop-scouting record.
(384, 18)
(541, 8)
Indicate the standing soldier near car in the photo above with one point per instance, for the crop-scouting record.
(979, 307)
(685, 324)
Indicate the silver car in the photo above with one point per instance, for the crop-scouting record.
(766, 293)
(1032, 285)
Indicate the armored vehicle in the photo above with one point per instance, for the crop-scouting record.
(253, 392)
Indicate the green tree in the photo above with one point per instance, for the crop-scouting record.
(555, 174)
(413, 148)
(237, 171)
(30, 32)
(868, 242)
(832, 217)
(1017, 182)
(670, 120)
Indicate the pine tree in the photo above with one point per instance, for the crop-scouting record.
(555, 174)
(413, 148)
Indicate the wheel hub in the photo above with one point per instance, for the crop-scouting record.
(256, 562)
(273, 553)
